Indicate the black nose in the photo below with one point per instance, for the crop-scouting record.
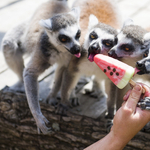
(112, 53)
(75, 49)
(140, 64)
(94, 48)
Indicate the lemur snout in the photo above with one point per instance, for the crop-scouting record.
(94, 48)
(75, 49)
(112, 53)
(140, 64)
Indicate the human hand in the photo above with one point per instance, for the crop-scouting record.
(130, 119)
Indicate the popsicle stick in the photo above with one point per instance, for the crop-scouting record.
(132, 82)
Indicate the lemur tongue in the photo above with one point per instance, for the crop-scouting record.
(136, 70)
(91, 57)
(78, 55)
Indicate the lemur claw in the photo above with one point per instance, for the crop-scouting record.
(74, 102)
(62, 109)
(41, 124)
(52, 101)
(144, 103)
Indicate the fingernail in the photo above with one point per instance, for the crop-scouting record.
(137, 88)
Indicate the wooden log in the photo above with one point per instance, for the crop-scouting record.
(71, 132)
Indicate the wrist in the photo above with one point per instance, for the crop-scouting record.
(117, 142)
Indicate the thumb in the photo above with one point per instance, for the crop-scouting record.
(134, 97)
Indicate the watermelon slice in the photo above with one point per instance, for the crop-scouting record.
(118, 72)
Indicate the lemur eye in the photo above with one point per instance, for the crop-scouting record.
(107, 43)
(145, 54)
(127, 47)
(63, 38)
(93, 36)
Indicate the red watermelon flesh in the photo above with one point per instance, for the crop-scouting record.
(118, 72)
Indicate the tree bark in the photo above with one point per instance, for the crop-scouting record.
(18, 130)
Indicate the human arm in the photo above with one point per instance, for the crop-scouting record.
(128, 121)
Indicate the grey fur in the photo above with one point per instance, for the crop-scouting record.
(106, 28)
(131, 32)
(61, 21)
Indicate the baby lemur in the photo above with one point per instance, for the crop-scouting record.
(56, 40)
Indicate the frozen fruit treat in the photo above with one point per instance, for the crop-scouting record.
(118, 72)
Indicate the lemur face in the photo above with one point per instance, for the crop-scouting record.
(64, 31)
(126, 47)
(132, 43)
(99, 39)
(67, 39)
(144, 64)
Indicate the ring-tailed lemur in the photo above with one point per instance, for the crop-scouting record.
(53, 40)
(131, 46)
(78, 67)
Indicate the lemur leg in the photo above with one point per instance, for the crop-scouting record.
(111, 90)
(13, 54)
(69, 81)
(51, 99)
(36, 66)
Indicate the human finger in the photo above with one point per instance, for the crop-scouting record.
(126, 96)
(147, 90)
(134, 97)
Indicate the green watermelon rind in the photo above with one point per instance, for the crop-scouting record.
(128, 75)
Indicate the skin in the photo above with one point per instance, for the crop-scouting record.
(128, 121)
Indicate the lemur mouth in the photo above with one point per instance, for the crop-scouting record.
(91, 57)
(142, 69)
(77, 55)
(141, 72)
(92, 54)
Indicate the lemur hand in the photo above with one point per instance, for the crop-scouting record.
(41, 122)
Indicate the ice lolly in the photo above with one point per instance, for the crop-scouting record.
(118, 72)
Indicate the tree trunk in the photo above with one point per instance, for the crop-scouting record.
(18, 130)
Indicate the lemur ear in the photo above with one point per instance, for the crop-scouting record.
(92, 21)
(147, 36)
(46, 24)
(128, 22)
(76, 13)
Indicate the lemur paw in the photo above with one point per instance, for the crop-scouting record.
(109, 124)
(52, 101)
(41, 122)
(74, 101)
(62, 109)
(18, 87)
(144, 103)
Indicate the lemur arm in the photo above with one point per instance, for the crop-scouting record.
(35, 67)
